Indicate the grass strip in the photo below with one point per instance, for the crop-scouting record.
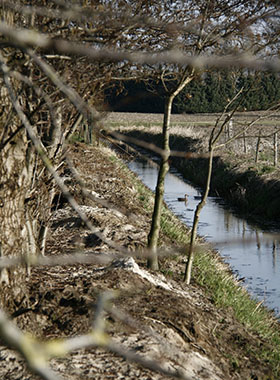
(210, 273)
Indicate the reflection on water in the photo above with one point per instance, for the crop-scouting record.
(253, 254)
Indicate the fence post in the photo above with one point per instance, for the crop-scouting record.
(275, 146)
(258, 147)
(244, 143)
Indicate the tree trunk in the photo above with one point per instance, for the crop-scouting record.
(16, 225)
(187, 276)
(164, 167)
(24, 200)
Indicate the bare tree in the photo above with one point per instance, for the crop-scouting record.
(44, 48)
(205, 27)
(215, 135)
(38, 112)
(214, 144)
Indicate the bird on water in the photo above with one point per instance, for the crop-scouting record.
(184, 199)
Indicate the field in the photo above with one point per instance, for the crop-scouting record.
(255, 148)
(202, 119)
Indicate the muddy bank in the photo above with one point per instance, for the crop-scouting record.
(245, 190)
(180, 328)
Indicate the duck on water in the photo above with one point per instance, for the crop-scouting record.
(184, 199)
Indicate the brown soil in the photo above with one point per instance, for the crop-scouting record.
(188, 331)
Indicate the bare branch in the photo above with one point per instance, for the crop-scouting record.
(87, 111)
(24, 38)
(41, 150)
(37, 354)
(28, 347)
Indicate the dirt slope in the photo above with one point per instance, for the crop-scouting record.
(188, 331)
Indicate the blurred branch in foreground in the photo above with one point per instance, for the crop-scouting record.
(38, 353)
(26, 38)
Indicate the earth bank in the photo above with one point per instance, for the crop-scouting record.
(249, 193)
(189, 332)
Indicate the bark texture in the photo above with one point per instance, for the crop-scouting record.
(164, 167)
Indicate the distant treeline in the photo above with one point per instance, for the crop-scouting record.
(208, 93)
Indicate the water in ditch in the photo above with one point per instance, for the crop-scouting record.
(253, 253)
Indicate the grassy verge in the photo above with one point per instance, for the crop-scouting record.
(229, 295)
(210, 273)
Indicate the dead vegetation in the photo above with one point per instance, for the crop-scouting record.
(248, 162)
(181, 328)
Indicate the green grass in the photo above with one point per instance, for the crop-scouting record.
(76, 138)
(225, 291)
(228, 294)
(219, 284)
(266, 169)
(172, 227)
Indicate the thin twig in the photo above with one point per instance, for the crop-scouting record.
(24, 38)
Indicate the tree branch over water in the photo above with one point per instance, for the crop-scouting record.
(54, 56)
